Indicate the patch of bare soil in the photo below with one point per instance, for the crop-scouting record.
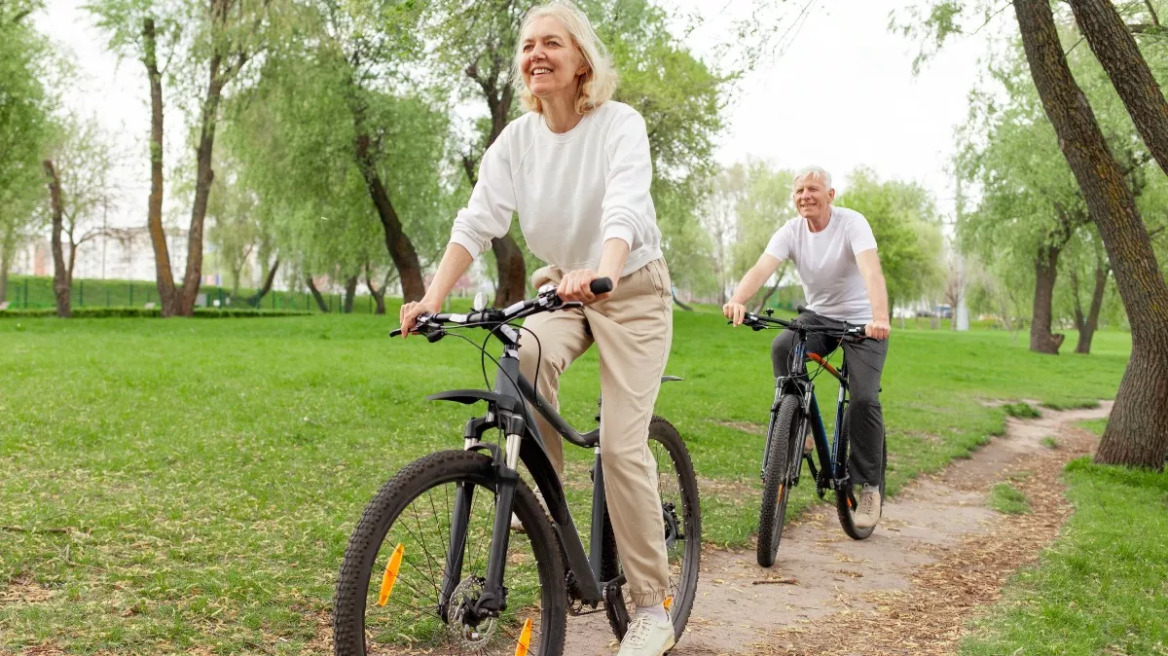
(938, 554)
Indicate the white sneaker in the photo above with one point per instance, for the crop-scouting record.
(868, 514)
(647, 637)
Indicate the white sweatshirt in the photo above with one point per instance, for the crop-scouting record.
(573, 191)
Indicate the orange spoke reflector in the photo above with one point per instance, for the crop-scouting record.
(524, 639)
(390, 576)
(668, 602)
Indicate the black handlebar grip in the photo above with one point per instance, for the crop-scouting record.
(396, 332)
(600, 286)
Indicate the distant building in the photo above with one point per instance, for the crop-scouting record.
(124, 254)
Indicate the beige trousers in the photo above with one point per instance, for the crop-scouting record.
(633, 330)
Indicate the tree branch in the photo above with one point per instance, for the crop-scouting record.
(1152, 11)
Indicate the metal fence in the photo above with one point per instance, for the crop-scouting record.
(36, 292)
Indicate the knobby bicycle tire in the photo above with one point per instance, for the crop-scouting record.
(684, 558)
(368, 550)
(843, 502)
(777, 477)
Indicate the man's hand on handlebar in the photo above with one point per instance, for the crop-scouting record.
(735, 312)
(411, 311)
(877, 329)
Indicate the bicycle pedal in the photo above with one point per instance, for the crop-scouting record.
(577, 609)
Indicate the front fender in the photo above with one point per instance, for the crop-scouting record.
(469, 396)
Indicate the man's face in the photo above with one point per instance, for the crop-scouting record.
(812, 197)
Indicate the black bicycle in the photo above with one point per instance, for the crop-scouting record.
(794, 413)
(433, 566)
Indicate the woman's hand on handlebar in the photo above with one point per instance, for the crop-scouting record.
(575, 287)
(411, 311)
(735, 312)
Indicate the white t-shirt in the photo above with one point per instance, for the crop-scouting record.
(826, 263)
(573, 191)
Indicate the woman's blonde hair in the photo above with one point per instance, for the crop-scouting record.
(597, 84)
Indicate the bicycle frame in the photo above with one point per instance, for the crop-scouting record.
(799, 384)
(508, 411)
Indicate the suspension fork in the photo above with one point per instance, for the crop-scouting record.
(512, 421)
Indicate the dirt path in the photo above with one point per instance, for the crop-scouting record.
(938, 553)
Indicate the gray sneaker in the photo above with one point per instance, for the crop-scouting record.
(868, 514)
(647, 637)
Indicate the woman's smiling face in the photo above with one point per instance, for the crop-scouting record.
(549, 60)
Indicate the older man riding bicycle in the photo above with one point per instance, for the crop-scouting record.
(834, 252)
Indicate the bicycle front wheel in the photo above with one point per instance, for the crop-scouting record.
(846, 499)
(782, 448)
(678, 486)
(394, 595)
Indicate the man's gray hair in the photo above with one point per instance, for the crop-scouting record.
(812, 171)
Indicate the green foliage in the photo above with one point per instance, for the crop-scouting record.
(295, 136)
(1008, 500)
(681, 99)
(25, 125)
(1100, 589)
(761, 210)
(904, 220)
(1027, 200)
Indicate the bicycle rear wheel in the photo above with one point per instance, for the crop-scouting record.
(846, 499)
(678, 486)
(389, 597)
(783, 444)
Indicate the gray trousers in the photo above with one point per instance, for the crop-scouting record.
(865, 362)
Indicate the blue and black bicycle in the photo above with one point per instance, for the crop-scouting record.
(794, 414)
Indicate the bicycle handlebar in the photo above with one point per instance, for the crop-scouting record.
(431, 325)
(758, 322)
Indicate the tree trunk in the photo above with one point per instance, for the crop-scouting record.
(167, 295)
(1116, 50)
(401, 249)
(1045, 273)
(258, 297)
(1137, 431)
(377, 293)
(320, 303)
(60, 272)
(204, 176)
(512, 271)
(1087, 329)
(678, 302)
(350, 294)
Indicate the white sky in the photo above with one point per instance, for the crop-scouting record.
(841, 95)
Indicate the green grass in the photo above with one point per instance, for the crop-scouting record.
(187, 483)
(1008, 500)
(1021, 410)
(1102, 588)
